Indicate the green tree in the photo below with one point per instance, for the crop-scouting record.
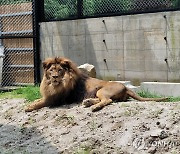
(97, 7)
(55, 9)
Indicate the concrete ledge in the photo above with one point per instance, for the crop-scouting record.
(162, 88)
(129, 85)
(7, 89)
(123, 82)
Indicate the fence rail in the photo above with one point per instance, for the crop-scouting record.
(74, 9)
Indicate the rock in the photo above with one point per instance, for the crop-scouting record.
(116, 126)
(160, 125)
(152, 150)
(156, 133)
(159, 133)
(163, 135)
(88, 69)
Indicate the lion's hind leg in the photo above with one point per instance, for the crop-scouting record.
(37, 104)
(101, 104)
(90, 101)
(104, 97)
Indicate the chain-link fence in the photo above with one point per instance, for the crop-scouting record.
(73, 9)
(16, 42)
(60, 9)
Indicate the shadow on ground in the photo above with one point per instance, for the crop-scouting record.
(23, 140)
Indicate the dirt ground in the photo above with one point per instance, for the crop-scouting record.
(120, 128)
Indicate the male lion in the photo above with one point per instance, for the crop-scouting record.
(63, 82)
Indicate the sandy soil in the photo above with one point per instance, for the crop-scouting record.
(120, 128)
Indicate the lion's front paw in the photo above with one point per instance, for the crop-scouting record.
(96, 107)
(28, 109)
(37, 104)
(87, 102)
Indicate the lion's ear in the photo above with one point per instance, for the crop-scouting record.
(46, 65)
(63, 62)
(66, 64)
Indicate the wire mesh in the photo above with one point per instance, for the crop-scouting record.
(68, 9)
(16, 33)
(60, 9)
(146, 5)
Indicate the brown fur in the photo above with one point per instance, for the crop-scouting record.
(63, 83)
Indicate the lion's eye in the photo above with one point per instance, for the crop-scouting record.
(60, 71)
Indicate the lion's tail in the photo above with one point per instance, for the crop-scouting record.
(139, 98)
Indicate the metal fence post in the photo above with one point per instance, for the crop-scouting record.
(178, 4)
(80, 8)
(36, 40)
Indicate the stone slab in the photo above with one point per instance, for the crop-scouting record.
(162, 88)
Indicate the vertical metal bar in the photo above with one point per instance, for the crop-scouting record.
(0, 31)
(178, 5)
(1, 54)
(40, 10)
(80, 8)
(36, 41)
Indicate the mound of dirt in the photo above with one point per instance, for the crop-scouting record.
(120, 128)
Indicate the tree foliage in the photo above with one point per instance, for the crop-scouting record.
(64, 9)
(94, 7)
(59, 9)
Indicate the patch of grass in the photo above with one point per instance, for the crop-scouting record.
(30, 93)
(66, 120)
(92, 125)
(125, 105)
(83, 150)
(156, 113)
(147, 94)
(130, 112)
(174, 99)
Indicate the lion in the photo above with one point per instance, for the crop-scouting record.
(63, 83)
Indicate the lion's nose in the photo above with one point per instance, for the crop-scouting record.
(55, 76)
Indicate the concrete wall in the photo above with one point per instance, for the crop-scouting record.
(130, 47)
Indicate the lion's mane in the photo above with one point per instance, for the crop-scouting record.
(71, 90)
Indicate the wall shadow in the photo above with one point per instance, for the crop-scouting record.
(75, 42)
(21, 139)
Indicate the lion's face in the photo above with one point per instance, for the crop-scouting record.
(60, 71)
(55, 74)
